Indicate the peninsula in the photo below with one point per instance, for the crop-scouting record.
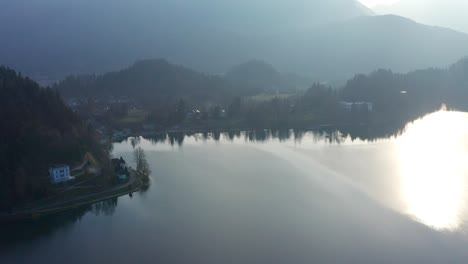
(41, 132)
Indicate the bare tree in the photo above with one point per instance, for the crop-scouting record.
(142, 165)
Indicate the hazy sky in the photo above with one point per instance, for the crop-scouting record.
(372, 3)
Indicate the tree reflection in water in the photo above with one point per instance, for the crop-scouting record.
(335, 135)
(106, 208)
(15, 233)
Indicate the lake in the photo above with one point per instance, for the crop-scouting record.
(268, 198)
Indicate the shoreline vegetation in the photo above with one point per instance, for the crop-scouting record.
(41, 131)
(135, 180)
(354, 131)
(138, 181)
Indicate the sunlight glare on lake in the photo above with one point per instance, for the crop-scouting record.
(433, 155)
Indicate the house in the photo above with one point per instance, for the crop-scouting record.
(59, 174)
(350, 106)
(194, 115)
(120, 168)
(119, 163)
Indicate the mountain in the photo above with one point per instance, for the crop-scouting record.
(325, 40)
(38, 131)
(151, 81)
(447, 13)
(360, 45)
(259, 76)
(158, 81)
(399, 98)
(432, 86)
(52, 38)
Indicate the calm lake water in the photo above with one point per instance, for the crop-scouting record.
(258, 199)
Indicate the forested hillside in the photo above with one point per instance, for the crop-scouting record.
(404, 97)
(207, 35)
(149, 80)
(157, 81)
(38, 131)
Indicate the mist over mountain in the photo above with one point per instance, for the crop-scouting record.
(325, 40)
(56, 38)
(151, 81)
(363, 44)
(159, 81)
(446, 13)
(260, 76)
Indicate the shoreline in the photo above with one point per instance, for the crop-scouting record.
(135, 184)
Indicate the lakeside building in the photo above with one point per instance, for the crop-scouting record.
(120, 168)
(350, 106)
(59, 174)
(194, 115)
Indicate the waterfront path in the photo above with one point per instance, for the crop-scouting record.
(133, 185)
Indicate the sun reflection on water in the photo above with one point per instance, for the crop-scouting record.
(433, 168)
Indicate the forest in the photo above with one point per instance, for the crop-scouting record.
(159, 81)
(38, 131)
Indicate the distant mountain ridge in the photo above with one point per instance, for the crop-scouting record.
(58, 38)
(154, 80)
(326, 40)
(363, 44)
(158, 81)
(446, 13)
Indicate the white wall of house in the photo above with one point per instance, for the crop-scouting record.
(60, 174)
(348, 106)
